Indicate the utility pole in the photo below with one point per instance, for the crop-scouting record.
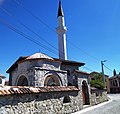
(102, 64)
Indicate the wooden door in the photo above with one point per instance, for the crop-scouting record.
(83, 95)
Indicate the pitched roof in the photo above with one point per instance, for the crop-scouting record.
(79, 71)
(41, 56)
(35, 56)
(11, 90)
(15, 64)
(69, 62)
(116, 76)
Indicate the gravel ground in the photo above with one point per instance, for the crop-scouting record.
(112, 107)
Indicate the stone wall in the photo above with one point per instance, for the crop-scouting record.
(98, 96)
(36, 70)
(41, 103)
(41, 75)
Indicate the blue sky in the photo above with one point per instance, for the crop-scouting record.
(93, 26)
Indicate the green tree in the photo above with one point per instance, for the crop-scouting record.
(97, 80)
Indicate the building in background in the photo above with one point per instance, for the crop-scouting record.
(115, 83)
(107, 83)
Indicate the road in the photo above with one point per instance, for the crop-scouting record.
(112, 107)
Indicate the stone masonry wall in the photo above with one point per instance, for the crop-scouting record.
(40, 103)
(98, 98)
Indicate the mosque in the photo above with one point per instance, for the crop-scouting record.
(41, 70)
(40, 84)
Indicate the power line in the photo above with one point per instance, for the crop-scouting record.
(33, 15)
(108, 68)
(26, 36)
(84, 51)
(87, 68)
(20, 4)
(11, 15)
(36, 17)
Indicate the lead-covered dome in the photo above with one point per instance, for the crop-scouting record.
(38, 56)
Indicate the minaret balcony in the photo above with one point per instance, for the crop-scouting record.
(61, 30)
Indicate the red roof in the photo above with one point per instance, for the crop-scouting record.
(9, 90)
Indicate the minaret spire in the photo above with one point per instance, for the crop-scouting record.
(61, 31)
(60, 10)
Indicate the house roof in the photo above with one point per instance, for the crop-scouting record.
(81, 72)
(15, 64)
(41, 56)
(72, 63)
(116, 76)
(11, 90)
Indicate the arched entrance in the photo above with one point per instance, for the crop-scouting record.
(85, 93)
(52, 81)
(22, 81)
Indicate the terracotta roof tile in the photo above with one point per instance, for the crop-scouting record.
(25, 89)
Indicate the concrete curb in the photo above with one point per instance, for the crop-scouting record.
(92, 107)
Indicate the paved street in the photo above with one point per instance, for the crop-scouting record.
(113, 107)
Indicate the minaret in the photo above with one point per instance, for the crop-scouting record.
(61, 31)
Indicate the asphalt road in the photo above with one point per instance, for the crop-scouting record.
(112, 107)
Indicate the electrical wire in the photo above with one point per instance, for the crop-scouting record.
(26, 36)
(11, 15)
(87, 68)
(108, 68)
(20, 4)
(33, 15)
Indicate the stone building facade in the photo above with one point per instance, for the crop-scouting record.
(40, 70)
(46, 85)
(115, 83)
(40, 100)
(37, 70)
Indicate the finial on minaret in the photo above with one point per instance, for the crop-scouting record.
(60, 10)
(61, 31)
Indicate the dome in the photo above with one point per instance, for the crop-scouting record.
(38, 56)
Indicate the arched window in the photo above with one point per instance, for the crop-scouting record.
(52, 81)
(66, 99)
(22, 81)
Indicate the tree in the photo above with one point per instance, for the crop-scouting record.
(114, 72)
(97, 80)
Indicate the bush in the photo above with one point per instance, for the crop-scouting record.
(97, 84)
(98, 81)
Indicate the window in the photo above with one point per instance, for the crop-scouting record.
(52, 80)
(66, 99)
(22, 81)
(116, 83)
